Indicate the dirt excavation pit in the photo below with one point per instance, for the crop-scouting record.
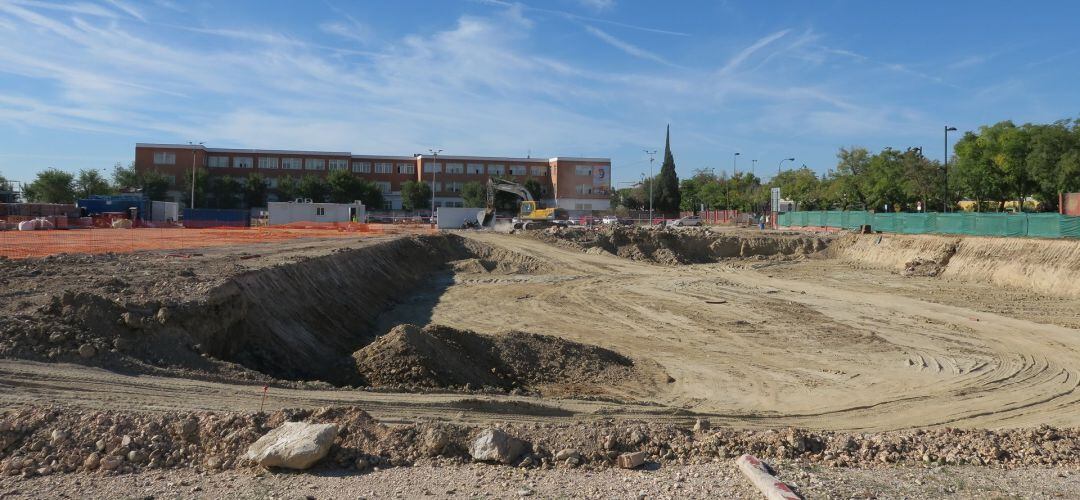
(319, 320)
(683, 245)
(441, 357)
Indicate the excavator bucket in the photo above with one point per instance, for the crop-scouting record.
(485, 217)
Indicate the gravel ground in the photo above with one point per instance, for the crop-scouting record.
(442, 480)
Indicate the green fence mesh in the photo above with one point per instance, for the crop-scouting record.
(976, 224)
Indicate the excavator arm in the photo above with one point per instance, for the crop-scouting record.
(487, 215)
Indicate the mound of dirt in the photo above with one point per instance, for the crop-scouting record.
(442, 357)
(683, 245)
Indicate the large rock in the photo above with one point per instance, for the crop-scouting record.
(494, 445)
(293, 445)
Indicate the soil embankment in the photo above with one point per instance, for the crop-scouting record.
(683, 245)
(1044, 266)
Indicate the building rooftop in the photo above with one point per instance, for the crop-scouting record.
(372, 157)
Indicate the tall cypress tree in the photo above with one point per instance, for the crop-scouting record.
(667, 195)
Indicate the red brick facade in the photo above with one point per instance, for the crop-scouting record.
(574, 183)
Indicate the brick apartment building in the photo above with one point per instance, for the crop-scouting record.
(579, 184)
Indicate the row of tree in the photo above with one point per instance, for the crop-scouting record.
(58, 186)
(225, 192)
(989, 167)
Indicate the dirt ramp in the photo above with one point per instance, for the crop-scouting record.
(1046, 266)
(683, 245)
(447, 358)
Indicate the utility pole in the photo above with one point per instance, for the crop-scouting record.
(652, 180)
(434, 162)
(193, 149)
(735, 164)
(753, 166)
(945, 185)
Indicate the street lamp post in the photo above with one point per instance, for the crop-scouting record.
(753, 166)
(434, 162)
(193, 149)
(652, 180)
(735, 164)
(945, 185)
(781, 164)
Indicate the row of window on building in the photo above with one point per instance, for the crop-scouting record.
(274, 163)
(479, 169)
(275, 182)
(363, 167)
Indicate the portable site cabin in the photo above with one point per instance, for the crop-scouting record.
(286, 212)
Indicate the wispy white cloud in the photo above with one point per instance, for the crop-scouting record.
(347, 27)
(625, 46)
(598, 5)
(745, 53)
(83, 8)
(969, 62)
(582, 19)
(127, 9)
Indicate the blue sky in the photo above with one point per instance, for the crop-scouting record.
(81, 82)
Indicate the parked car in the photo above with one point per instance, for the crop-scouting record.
(691, 220)
(609, 220)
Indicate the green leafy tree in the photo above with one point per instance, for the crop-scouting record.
(255, 191)
(667, 195)
(225, 192)
(800, 185)
(125, 178)
(288, 189)
(202, 186)
(690, 198)
(415, 195)
(51, 186)
(7, 191)
(154, 185)
(345, 187)
(534, 188)
(924, 178)
(314, 188)
(714, 195)
(91, 182)
(977, 174)
(474, 194)
(848, 186)
(1049, 145)
(371, 195)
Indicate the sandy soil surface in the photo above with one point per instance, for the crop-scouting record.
(436, 480)
(813, 343)
(779, 343)
(754, 342)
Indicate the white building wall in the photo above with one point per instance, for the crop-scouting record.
(281, 212)
(453, 218)
(584, 203)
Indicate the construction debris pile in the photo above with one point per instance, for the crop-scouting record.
(42, 441)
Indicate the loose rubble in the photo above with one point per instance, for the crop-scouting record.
(42, 441)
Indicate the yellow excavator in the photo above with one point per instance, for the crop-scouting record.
(530, 215)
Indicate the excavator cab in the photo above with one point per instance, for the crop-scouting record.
(527, 208)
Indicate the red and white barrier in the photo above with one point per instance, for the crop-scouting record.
(757, 473)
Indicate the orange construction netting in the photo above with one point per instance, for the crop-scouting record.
(25, 244)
